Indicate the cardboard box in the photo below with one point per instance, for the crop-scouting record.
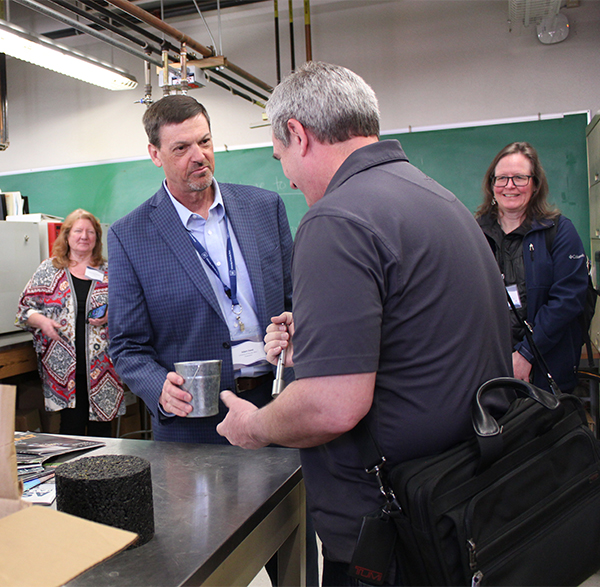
(10, 488)
(37, 530)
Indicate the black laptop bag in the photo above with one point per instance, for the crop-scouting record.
(519, 504)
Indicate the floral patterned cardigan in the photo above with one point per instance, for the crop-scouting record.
(50, 292)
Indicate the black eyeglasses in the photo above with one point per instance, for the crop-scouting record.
(520, 181)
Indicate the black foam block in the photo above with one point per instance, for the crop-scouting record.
(115, 490)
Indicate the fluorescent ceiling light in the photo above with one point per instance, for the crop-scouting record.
(26, 46)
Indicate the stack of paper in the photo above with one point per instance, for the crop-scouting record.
(33, 452)
(14, 203)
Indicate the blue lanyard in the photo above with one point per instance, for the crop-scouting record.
(231, 289)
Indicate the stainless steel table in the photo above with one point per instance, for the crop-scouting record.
(220, 513)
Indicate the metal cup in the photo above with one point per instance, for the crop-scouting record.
(202, 381)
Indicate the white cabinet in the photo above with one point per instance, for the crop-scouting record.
(19, 258)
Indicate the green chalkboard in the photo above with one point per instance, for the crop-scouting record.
(456, 158)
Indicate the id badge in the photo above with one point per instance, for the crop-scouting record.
(513, 292)
(248, 353)
(374, 549)
(93, 273)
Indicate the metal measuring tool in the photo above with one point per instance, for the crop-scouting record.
(279, 383)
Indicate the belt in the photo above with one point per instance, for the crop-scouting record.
(247, 383)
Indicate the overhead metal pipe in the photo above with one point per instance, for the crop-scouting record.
(183, 68)
(247, 76)
(3, 104)
(157, 23)
(86, 29)
(219, 29)
(147, 99)
(101, 23)
(233, 90)
(165, 72)
(162, 26)
(277, 47)
(162, 16)
(123, 21)
(239, 83)
(292, 49)
(120, 19)
(3, 89)
(307, 35)
(146, 17)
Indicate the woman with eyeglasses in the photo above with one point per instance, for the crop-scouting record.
(543, 263)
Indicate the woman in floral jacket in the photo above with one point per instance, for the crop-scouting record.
(77, 374)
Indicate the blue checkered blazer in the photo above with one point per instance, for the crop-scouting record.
(163, 309)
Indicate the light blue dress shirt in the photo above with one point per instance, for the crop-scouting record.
(211, 233)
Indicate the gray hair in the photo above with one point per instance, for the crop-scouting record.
(331, 101)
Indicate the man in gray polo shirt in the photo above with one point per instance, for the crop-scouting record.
(399, 309)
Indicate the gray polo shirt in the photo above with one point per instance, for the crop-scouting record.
(392, 275)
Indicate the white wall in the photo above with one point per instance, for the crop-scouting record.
(431, 62)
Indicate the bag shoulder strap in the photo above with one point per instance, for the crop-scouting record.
(373, 462)
(534, 348)
(370, 453)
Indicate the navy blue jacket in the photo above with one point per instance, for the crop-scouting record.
(556, 283)
(163, 307)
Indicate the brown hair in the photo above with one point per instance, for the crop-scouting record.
(538, 206)
(60, 249)
(173, 109)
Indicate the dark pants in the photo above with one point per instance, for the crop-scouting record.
(75, 421)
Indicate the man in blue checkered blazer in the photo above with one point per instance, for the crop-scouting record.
(195, 271)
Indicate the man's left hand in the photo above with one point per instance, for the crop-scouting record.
(236, 425)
